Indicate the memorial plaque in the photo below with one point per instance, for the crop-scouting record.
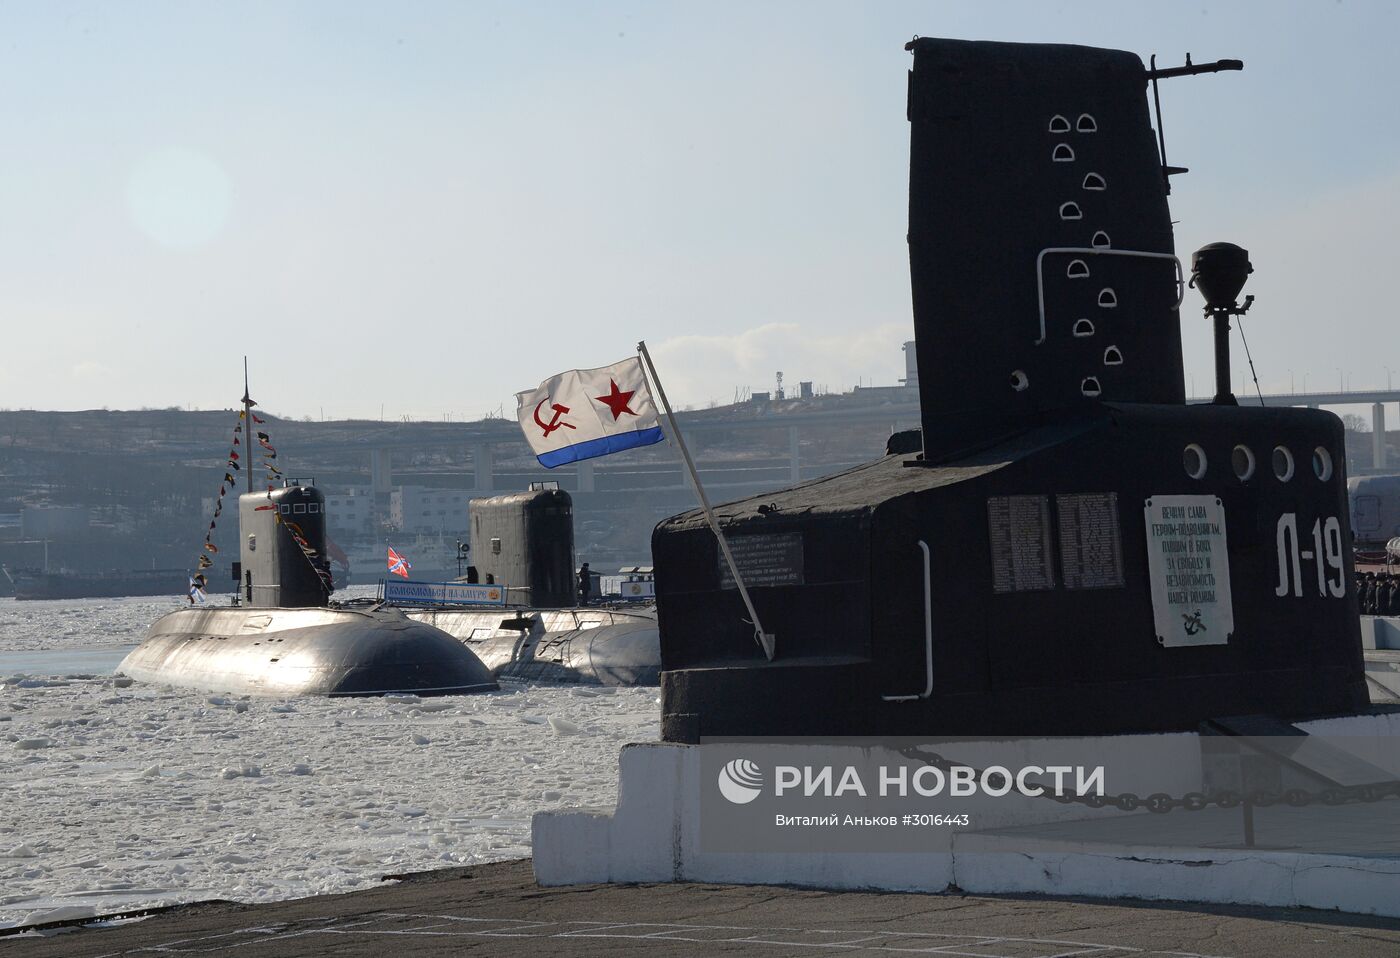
(1189, 570)
(766, 559)
(1091, 544)
(1019, 528)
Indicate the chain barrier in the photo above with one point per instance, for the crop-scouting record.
(1161, 803)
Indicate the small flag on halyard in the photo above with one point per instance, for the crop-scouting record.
(584, 413)
(197, 596)
(398, 565)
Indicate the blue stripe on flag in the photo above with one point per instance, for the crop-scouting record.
(601, 447)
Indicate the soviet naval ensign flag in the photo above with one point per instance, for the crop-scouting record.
(585, 413)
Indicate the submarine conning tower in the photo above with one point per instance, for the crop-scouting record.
(1041, 258)
(283, 548)
(1075, 551)
(525, 541)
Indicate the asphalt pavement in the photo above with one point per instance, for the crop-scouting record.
(497, 909)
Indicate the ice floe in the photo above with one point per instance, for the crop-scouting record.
(121, 796)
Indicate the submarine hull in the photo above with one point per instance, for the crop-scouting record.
(917, 604)
(286, 652)
(569, 646)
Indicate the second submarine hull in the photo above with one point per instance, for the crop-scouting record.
(584, 646)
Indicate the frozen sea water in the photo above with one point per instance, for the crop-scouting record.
(125, 796)
(52, 625)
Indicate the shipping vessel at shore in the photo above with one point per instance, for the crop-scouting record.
(38, 584)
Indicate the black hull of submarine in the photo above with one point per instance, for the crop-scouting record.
(583, 646)
(1048, 657)
(289, 652)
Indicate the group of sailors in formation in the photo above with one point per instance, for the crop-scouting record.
(1379, 593)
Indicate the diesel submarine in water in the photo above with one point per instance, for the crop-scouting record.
(541, 632)
(285, 636)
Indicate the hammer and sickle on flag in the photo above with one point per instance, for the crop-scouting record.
(554, 422)
(584, 413)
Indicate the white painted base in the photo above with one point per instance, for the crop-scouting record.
(652, 835)
(1380, 632)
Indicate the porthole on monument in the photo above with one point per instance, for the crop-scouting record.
(1193, 460)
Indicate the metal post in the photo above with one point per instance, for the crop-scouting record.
(765, 640)
(1378, 435)
(1223, 396)
(248, 405)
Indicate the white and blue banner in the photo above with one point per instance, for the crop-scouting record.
(444, 593)
(584, 413)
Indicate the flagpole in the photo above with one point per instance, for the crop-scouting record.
(247, 428)
(766, 640)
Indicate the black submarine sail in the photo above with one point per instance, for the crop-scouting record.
(284, 636)
(1075, 550)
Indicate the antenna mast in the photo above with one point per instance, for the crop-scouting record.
(248, 405)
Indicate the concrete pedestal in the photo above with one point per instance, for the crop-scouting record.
(652, 835)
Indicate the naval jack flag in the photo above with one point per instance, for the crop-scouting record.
(398, 564)
(584, 413)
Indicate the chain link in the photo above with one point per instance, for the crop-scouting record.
(1161, 803)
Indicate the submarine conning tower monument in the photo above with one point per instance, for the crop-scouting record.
(1075, 551)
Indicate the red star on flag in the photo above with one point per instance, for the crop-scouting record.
(617, 400)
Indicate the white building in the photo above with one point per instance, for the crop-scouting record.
(418, 509)
(350, 512)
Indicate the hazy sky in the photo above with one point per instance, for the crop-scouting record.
(430, 206)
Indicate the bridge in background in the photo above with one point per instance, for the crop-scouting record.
(882, 410)
(1375, 398)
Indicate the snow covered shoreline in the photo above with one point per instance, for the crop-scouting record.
(127, 796)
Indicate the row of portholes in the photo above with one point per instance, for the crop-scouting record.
(1085, 124)
(1244, 464)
